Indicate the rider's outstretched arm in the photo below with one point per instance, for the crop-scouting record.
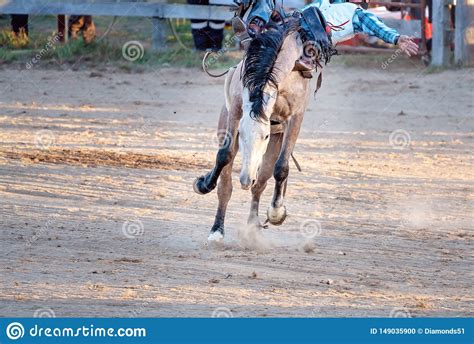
(369, 23)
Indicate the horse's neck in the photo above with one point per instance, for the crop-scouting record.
(289, 53)
(292, 87)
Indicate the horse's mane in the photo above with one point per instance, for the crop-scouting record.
(261, 56)
(259, 66)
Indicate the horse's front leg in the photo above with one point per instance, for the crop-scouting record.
(224, 193)
(276, 213)
(265, 173)
(225, 155)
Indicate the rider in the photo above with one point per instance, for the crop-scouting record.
(344, 20)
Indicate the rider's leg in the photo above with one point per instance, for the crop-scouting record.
(258, 15)
(261, 9)
(338, 18)
(314, 35)
(251, 23)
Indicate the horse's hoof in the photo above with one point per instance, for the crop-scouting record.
(215, 237)
(196, 187)
(217, 234)
(276, 216)
(200, 188)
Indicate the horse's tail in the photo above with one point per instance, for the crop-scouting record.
(228, 81)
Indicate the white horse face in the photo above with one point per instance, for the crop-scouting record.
(254, 136)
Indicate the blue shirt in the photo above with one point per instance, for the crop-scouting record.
(370, 24)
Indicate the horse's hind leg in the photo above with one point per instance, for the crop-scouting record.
(276, 213)
(224, 192)
(264, 174)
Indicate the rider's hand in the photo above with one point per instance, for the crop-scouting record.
(407, 45)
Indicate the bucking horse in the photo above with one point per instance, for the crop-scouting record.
(265, 101)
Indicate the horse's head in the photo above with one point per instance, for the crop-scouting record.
(254, 135)
(268, 62)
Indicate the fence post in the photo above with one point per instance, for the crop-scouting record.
(63, 28)
(423, 27)
(441, 27)
(464, 33)
(159, 33)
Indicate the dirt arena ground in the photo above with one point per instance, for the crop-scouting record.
(98, 215)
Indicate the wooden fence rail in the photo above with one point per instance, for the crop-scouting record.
(159, 12)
